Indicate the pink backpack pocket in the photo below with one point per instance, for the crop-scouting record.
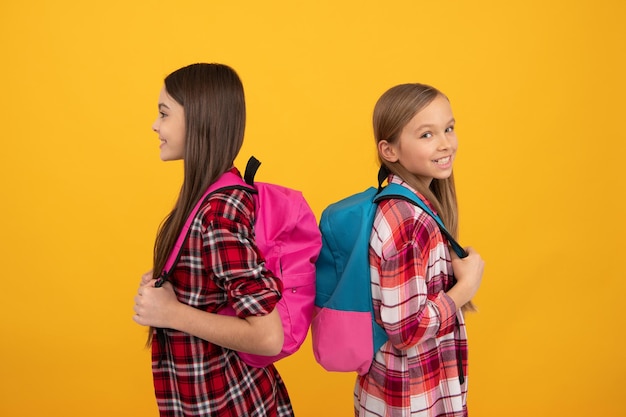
(346, 342)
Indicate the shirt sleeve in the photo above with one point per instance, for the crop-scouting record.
(234, 259)
(413, 305)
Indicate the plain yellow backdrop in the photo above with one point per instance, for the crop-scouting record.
(538, 93)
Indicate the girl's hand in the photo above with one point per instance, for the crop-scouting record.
(468, 273)
(145, 278)
(155, 306)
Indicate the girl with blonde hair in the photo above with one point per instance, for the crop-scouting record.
(419, 286)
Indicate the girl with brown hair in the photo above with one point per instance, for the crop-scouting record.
(195, 365)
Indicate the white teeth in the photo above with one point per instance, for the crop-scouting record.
(443, 161)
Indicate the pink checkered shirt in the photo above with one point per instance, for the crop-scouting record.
(416, 373)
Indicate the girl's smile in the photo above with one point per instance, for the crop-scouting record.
(170, 126)
(444, 162)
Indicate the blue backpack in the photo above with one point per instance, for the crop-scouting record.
(345, 334)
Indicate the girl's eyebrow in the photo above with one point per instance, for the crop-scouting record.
(161, 105)
(431, 125)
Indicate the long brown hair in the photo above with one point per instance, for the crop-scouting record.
(394, 109)
(213, 102)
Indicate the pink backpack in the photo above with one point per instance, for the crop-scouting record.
(288, 236)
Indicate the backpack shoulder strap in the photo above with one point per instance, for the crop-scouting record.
(396, 191)
(226, 181)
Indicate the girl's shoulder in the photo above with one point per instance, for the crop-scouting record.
(401, 226)
(402, 213)
(399, 213)
(235, 204)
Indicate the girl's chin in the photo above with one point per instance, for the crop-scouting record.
(168, 156)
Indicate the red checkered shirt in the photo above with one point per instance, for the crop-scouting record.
(219, 265)
(416, 372)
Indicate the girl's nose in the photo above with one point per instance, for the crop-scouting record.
(444, 142)
(155, 126)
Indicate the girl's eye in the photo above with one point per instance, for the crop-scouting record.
(162, 115)
(449, 129)
(426, 135)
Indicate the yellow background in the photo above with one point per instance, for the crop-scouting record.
(538, 91)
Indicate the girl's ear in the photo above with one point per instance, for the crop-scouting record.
(387, 151)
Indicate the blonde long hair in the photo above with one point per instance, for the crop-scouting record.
(393, 110)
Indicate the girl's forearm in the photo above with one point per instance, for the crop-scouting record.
(460, 294)
(260, 335)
